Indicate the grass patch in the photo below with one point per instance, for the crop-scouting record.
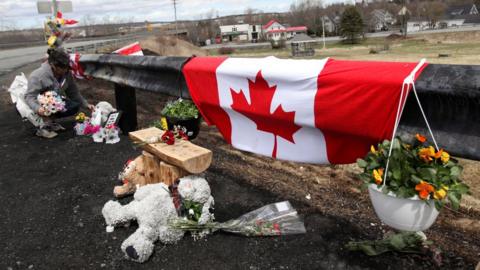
(459, 51)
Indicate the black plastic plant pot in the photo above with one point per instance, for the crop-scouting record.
(192, 125)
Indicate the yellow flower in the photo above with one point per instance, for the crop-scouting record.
(426, 154)
(377, 176)
(445, 157)
(80, 117)
(372, 149)
(440, 194)
(163, 123)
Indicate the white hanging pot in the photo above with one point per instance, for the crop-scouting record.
(405, 214)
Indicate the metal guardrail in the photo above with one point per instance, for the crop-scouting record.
(450, 95)
(159, 74)
(95, 46)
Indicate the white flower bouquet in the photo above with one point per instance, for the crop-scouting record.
(51, 102)
(270, 220)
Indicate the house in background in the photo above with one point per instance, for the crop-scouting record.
(459, 15)
(275, 31)
(240, 32)
(381, 20)
(455, 16)
(458, 10)
(330, 25)
(472, 20)
(418, 24)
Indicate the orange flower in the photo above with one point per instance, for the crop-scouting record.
(439, 154)
(426, 154)
(424, 189)
(377, 176)
(421, 138)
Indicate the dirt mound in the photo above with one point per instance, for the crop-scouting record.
(394, 37)
(170, 46)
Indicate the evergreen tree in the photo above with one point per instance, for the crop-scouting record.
(351, 25)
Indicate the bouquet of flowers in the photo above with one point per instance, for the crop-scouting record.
(51, 102)
(272, 219)
(414, 170)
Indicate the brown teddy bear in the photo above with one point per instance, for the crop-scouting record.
(133, 175)
(146, 169)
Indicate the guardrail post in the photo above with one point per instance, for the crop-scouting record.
(126, 102)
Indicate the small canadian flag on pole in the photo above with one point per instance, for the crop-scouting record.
(131, 49)
(315, 111)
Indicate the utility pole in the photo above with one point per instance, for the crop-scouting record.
(175, 10)
(403, 13)
(323, 30)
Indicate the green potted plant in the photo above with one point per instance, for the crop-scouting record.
(419, 182)
(184, 114)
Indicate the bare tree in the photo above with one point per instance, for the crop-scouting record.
(307, 13)
(193, 32)
(250, 16)
(430, 11)
(206, 28)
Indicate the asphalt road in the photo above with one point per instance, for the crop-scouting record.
(14, 58)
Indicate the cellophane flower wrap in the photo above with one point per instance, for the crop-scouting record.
(51, 102)
(415, 170)
(270, 220)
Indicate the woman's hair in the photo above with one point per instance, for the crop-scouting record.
(58, 57)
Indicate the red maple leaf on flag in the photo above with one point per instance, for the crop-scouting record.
(280, 123)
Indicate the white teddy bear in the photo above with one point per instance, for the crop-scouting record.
(101, 112)
(153, 208)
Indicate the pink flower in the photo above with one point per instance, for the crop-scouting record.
(89, 129)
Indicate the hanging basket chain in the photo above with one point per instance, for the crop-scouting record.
(409, 81)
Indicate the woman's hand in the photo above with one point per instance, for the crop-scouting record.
(41, 111)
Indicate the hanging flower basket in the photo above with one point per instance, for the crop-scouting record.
(405, 214)
(419, 182)
(182, 114)
(409, 183)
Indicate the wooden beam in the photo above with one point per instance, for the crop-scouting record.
(184, 154)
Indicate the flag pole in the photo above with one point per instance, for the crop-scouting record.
(175, 11)
(54, 8)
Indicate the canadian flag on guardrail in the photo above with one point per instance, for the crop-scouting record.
(316, 111)
(132, 49)
(76, 68)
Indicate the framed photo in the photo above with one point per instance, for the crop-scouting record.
(113, 118)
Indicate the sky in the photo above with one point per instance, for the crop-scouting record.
(22, 14)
